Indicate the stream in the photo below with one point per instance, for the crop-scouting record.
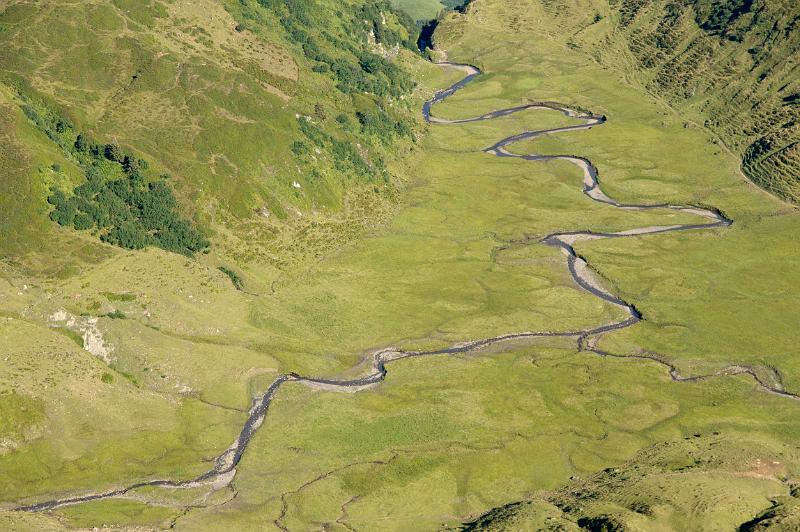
(224, 468)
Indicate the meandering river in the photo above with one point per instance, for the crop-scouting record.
(225, 464)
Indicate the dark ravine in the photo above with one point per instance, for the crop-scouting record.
(425, 39)
(428, 27)
(225, 464)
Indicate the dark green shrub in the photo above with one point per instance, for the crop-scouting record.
(233, 276)
(299, 148)
(113, 152)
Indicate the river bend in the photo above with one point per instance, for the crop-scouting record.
(224, 467)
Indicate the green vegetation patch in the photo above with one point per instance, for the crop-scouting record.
(111, 296)
(17, 414)
(235, 278)
(660, 488)
(119, 513)
(117, 200)
(717, 15)
(725, 64)
(129, 213)
(425, 10)
(354, 66)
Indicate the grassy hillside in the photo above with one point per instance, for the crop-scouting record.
(664, 487)
(222, 97)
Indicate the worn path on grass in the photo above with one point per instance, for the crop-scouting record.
(225, 464)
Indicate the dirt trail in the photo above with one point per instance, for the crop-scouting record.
(225, 464)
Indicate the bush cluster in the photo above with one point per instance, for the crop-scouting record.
(235, 278)
(381, 125)
(129, 212)
(717, 16)
(116, 199)
(373, 13)
(345, 156)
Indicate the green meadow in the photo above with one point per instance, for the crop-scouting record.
(447, 253)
